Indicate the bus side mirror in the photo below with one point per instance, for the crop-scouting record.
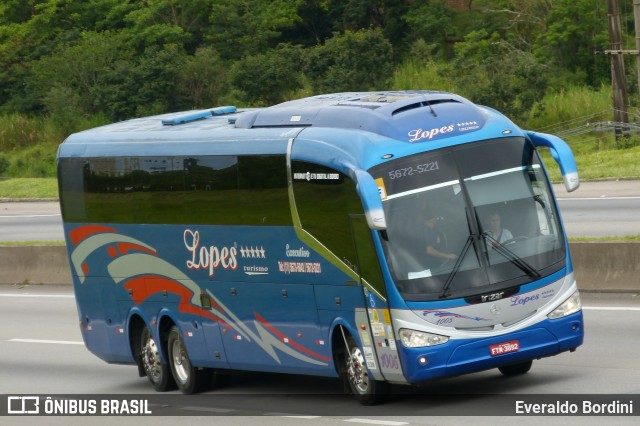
(370, 196)
(561, 153)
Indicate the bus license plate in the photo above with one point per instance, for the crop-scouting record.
(505, 348)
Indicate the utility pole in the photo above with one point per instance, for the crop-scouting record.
(636, 20)
(620, 97)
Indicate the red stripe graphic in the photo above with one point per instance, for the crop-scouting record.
(142, 289)
(79, 234)
(292, 343)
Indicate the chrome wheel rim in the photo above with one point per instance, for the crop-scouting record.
(357, 371)
(151, 360)
(181, 363)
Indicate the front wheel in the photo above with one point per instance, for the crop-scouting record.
(189, 379)
(366, 390)
(516, 369)
(157, 372)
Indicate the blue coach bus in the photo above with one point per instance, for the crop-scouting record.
(383, 238)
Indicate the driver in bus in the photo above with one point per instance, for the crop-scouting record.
(496, 231)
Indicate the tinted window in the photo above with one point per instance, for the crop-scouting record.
(224, 190)
(330, 209)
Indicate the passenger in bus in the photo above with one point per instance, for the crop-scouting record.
(435, 243)
(496, 231)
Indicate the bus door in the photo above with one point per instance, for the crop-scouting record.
(378, 337)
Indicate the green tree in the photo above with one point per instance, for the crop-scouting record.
(269, 78)
(353, 61)
(575, 29)
(518, 21)
(158, 22)
(82, 70)
(31, 30)
(152, 87)
(249, 27)
(431, 21)
(320, 19)
(203, 79)
(102, 73)
(490, 71)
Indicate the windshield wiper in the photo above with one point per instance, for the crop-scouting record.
(511, 256)
(456, 267)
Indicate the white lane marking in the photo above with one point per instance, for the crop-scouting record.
(376, 422)
(64, 296)
(289, 416)
(27, 216)
(608, 308)
(49, 342)
(303, 417)
(598, 198)
(208, 409)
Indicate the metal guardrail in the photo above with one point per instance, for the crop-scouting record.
(600, 126)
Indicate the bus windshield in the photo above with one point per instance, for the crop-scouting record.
(469, 219)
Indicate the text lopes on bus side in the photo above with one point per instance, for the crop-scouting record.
(209, 258)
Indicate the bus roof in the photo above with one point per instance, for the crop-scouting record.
(400, 118)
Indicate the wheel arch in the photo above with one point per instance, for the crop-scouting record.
(136, 325)
(165, 322)
(338, 342)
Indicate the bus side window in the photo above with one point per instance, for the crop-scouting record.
(325, 199)
(263, 197)
(208, 190)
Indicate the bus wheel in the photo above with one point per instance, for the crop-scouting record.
(188, 378)
(516, 369)
(366, 390)
(157, 372)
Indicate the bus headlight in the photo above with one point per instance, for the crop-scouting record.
(570, 306)
(419, 339)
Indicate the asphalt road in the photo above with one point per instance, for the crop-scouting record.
(30, 221)
(596, 209)
(601, 209)
(41, 352)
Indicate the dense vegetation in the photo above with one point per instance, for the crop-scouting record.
(66, 65)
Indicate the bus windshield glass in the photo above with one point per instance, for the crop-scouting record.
(469, 219)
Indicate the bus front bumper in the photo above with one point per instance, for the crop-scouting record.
(462, 356)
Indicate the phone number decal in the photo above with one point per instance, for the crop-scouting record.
(411, 170)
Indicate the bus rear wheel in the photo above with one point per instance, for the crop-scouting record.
(516, 369)
(189, 379)
(366, 390)
(157, 372)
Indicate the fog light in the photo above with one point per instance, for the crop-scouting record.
(423, 360)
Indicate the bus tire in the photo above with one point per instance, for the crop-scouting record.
(157, 372)
(188, 378)
(357, 379)
(516, 369)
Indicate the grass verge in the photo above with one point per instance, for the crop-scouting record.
(31, 243)
(25, 188)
